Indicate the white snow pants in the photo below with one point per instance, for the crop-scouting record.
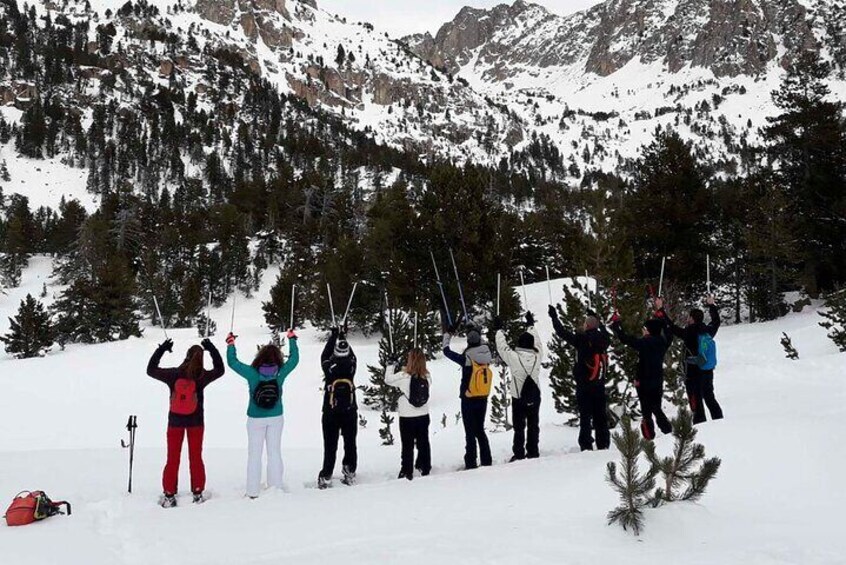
(261, 432)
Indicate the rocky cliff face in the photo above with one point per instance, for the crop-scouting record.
(729, 37)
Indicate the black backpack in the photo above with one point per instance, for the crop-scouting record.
(266, 394)
(531, 394)
(418, 391)
(342, 395)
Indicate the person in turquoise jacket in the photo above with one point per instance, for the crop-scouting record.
(265, 414)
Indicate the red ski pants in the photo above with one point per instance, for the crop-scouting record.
(170, 476)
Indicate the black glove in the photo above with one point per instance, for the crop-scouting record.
(553, 313)
(207, 344)
(592, 312)
(334, 331)
(167, 345)
(530, 319)
(497, 323)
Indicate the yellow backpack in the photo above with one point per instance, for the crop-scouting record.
(481, 379)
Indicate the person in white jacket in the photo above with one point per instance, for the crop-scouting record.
(524, 363)
(413, 381)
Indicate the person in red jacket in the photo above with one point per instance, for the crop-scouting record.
(186, 384)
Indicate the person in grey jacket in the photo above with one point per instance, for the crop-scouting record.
(524, 363)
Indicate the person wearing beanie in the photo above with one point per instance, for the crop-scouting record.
(340, 411)
(698, 382)
(589, 370)
(474, 407)
(649, 379)
(524, 362)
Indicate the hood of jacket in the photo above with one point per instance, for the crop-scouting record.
(481, 354)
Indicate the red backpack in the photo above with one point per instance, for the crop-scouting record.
(183, 401)
(28, 507)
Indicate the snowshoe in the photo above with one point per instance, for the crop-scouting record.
(323, 483)
(167, 500)
(349, 476)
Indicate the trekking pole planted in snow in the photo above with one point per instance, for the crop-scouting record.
(131, 425)
(661, 280)
(159, 312)
(460, 290)
(548, 285)
(331, 305)
(293, 296)
(349, 303)
(523, 284)
(388, 320)
(441, 288)
(208, 315)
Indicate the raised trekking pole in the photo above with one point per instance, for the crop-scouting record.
(460, 290)
(523, 285)
(232, 317)
(208, 315)
(708, 272)
(293, 297)
(349, 304)
(131, 425)
(441, 288)
(587, 289)
(498, 279)
(331, 305)
(548, 285)
(159, 312)
(388, 320)
(415, 330)
(661, 280)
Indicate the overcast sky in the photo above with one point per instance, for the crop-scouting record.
(402, 17)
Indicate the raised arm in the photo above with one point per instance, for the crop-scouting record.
(234, 364)
(153, 369)
(326, 356)
(450, 354)
(560, 330)
(714, 325)
(625, 339)
(505, 352)
(392, 376)
(217, 362)
(293, 356)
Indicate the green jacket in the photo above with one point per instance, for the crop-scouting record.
(253, 378)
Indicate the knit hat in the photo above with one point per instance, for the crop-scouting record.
(697, 315)
(474, 338)
(342, 348)
(654, 326)
(526, 341)
(592, 322)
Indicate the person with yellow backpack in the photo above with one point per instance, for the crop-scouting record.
(476, 379)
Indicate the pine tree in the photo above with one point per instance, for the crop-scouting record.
(378, 395)
(633, 485)
(31, 331)
(385, 431)
(835, 318)
(789, 350)
(501, 401)
(686, 468)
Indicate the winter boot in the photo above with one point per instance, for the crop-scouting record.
(167, 500)
(404, 475)
(349, 476)
(323, 483)
(199, 498)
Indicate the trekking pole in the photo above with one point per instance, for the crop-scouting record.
(587, 289)
(293, 296)
(498, 278)
(460, 290)
(661, 280)
(331, 305)
(548, 284)
(523, 284)
(349, 303)
(131, 425)
(441, 287)
(232, 318)
(208, 314)
(708, 272)
(415, 330)
(159, 312)
(388, 320)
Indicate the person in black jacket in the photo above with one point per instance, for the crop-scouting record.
(698, 382)
(649, 380)
(340, 411)
(589, 371)
(473, 408)
(187, 384)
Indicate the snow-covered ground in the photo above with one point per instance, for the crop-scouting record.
(776, 500)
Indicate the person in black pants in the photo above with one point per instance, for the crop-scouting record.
(413, 411)
(340, 411)
(473, 408)
(649, 380)
(698, 382)
(589, 371)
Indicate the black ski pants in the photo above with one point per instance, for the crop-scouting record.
(593, 416)
(473, 411)
(414, 432)
(335, 423)
(526, 428)
(650, 405)
(700, 393)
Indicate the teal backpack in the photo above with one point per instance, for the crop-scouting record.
(707, 357)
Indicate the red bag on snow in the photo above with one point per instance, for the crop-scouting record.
(28, 507)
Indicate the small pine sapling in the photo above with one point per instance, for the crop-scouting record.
(686, 473)
(633, 485)
(385, 431)
(790, 350)
(362, 421)
(444, 421)
(835, 318)
(501, 402)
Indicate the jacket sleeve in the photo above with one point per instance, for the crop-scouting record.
(353, 363)
(667, 333)
(235, 365)
(715, 320)
(153, 369)
(293, 359)
(563, 332)
(326, 356)
(393, 377)
(673, 329)
(217, 366)
(452, 355)
(505, 352)
(538, 343)
(625, 338)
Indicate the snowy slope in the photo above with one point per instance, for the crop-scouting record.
(776, 499)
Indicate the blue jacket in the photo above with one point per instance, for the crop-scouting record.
(254, 377)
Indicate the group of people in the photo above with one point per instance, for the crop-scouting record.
(267, 373)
